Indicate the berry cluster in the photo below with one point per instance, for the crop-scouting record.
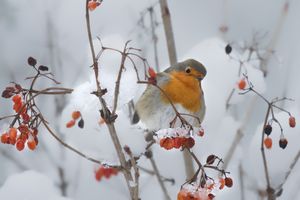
(178, 137)
(106, 172)
(93, 4)
(177, 142)
(20, 136)
(193, 191)
(25, 133)
(75, 116)
(282, 141)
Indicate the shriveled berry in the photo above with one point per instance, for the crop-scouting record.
(228, 182)
(200, 133)
(268, 142)
(71, 123)
(43, 68)
(242, 84)
(268, 129)
(81, 123)
(283, 143)
(228, 49)
(31, 61)
(211, 159)
(76, 115)
(211, 196)
(292, 121)
(20, 144)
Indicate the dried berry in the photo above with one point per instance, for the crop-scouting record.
(8, 92)
(43, 68)
(200, 133)
(228, 49)
(292, 121)
(283, 143)
(31, 61)
(211, 159)
(211, 196)
(268, 142)
(268, 129)
(81, 123)
(228, 182)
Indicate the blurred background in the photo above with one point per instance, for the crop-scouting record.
(54, 32)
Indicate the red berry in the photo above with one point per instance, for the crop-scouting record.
(71, 123)
(25, 117)
(268, 143)
(92, 5)
(292, 121)
(20, 144)
(222, 183)
(151, 73)
(76, 115)
(5, 138)
(99, 174)
(242, 84)
(177, 142)
(189, 142)
(17, 99)
(167, 143)
(12, 133)
(31, 144)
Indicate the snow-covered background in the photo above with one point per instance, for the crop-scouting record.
(54, 32)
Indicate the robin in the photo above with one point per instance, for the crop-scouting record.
(181, 84)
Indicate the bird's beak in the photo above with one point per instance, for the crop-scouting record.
(200, 77)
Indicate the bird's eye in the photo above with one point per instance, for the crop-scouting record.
(188, 70)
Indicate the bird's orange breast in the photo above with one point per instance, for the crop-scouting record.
(183, 89)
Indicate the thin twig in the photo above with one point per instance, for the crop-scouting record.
(158, 176)
(74, 149)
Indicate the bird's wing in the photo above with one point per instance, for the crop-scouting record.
(148, 103)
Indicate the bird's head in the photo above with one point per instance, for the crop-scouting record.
(190, 67)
